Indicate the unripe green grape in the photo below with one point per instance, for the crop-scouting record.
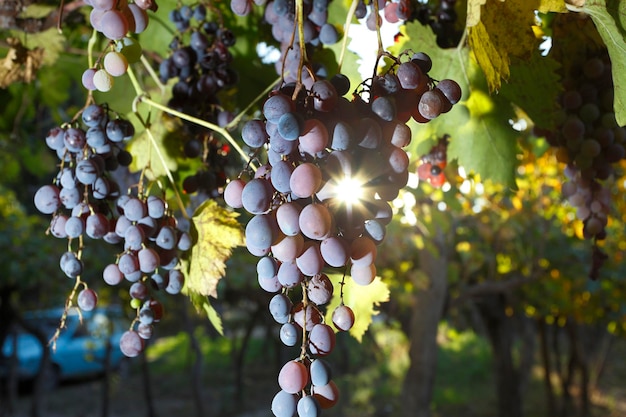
(102, 80)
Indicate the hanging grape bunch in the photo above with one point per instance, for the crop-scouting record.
(115, 19)
(85, 203)
(590, 143)
(321, 202)
(434, 162)
(200, 61)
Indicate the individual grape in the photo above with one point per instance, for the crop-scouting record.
(375, 230)
(450, 89)
(281, 175)
(128, 265)
(93, 115)
(261, 231)
(113, 24)
(138, 290)
(391, 12)
(74, 140)
(96, 225)
(135, 209)
(139, 17)
(184, 242)
(289, 334)
(166, 238)
(256, 196)
(315, 221)
(324, 96)
(310, 261)
(289, 275)
(267, 267)
(320, 289)
(175, 283)
(308, 317)
(87, 79)
(328, 34)
(275, 106)
(233, 193)
(270, 284)
(290, 126)
(369, 132)
(86, 172)
(341, 84)
(55, 138)
(156, 207)
(384, 108)
(314, 138)
(74, 227)
(280, 307)
(308, 407)
(145, 331)
(362, 251)
(71, 265)
(284, 404)
(70, 197)
(430, 105)
(423, 61)
(398, 160)
(131, 344)
(306, 180)
(112, 274)
(115, 63)
(334, 251)
(320, 372)
(342, 136)
(363, 275)
(287, 248)
(293, 377)
(411, 76)
(87, 299)
(254, 134)
(326, 395)
(57, 226)
(321, 339)
(146, 315)
(148, 260)
(343, 317)
(102, 80)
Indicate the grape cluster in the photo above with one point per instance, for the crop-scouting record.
(281, 15)
(432, 164)
(85, 202)
(200, 59)
(441, 17)
(589, 142)
(322, 201)
(115, 19)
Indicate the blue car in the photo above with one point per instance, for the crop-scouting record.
(80, 349)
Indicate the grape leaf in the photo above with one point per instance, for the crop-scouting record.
(216, 232)
(145, 154)
(610, 17)
(362, 299)
(214, 317)
(535, 87)
(546, 6)
(504, 30)
(473, 12)
(20, 64)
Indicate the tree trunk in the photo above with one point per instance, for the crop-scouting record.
(501, 338)
(547, 368)
(429, 300)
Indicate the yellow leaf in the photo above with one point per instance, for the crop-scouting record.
(558, 6)
(362, 299)
(216, 232)
(505, 29)
(473, 12)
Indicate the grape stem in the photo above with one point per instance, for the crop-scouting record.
(346, 29)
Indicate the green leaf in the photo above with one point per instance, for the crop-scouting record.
(214, 317)
(486, 144)
(216, 232)
(535, 86)
(363, 301)
(610, 18)
(146, 155)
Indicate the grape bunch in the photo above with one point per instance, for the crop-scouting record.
(115, 19)
(281, 15)
(434, 162)
(590, 143)
(85, 201)
(321, 202)
(200, 61)
(441, 16)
